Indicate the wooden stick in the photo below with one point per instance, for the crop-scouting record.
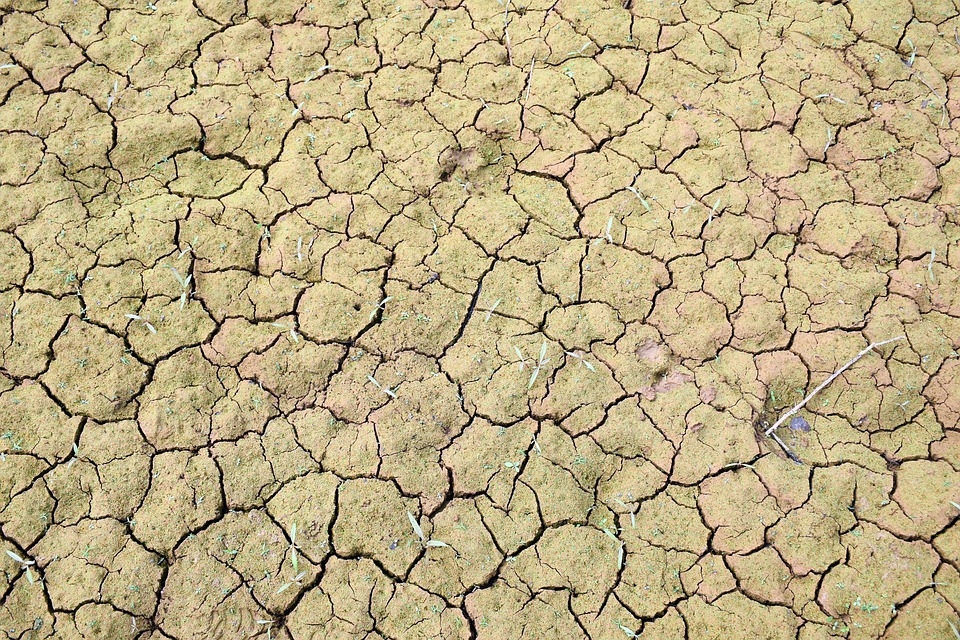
(783, 418)
(786, 449)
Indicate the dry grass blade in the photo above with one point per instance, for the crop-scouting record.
(533, 377)
(381, 306)
(713, 211)
(180, 280)
(643, 201)
(492, 309)
(18, 559)
(416, 527)
(134, 316)
(296, 580)
(541, 361)
(520, 357)
(111, 98)
(294, 559)
(25, 564)
(386, 390)
(533, 61)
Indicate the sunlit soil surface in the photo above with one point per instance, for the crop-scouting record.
(465, 319)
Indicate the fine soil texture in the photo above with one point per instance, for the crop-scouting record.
(466, 319)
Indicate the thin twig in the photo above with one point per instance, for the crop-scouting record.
(786, 449)
(943, 103)
(928, 86)
(783, 418)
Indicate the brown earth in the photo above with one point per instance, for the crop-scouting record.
(460, 318)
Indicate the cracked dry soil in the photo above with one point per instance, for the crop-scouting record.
(458, 319)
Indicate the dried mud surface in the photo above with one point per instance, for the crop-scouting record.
(459, 319)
